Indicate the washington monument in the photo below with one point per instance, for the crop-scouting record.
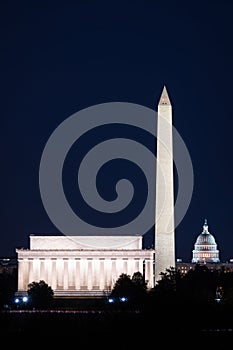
(164, 201)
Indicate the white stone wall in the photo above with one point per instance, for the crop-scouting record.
(85, 242)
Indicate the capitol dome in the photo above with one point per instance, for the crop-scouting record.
(205, 248)
(205, 238)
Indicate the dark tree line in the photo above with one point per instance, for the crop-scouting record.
(199, 299)
(199, 287)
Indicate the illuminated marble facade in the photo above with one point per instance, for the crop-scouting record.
(205, 248)
(82, 265)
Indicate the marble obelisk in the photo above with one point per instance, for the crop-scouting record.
(164, 201)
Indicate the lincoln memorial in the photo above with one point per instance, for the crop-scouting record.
(82, 265)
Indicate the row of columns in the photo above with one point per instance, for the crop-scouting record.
(80, 274)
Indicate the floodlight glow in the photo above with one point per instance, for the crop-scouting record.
(123, 299)
(111, 300)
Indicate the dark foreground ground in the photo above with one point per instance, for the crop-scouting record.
(98, 325)
(106, 330)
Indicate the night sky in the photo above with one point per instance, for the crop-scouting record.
(61, 57)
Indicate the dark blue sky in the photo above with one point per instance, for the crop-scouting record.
(61, 57)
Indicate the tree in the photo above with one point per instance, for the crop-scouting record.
(8, 287)
(199, 284)
(122, 286)
(134, 289)
(139, 280)
(40, 294)
(166, 287)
